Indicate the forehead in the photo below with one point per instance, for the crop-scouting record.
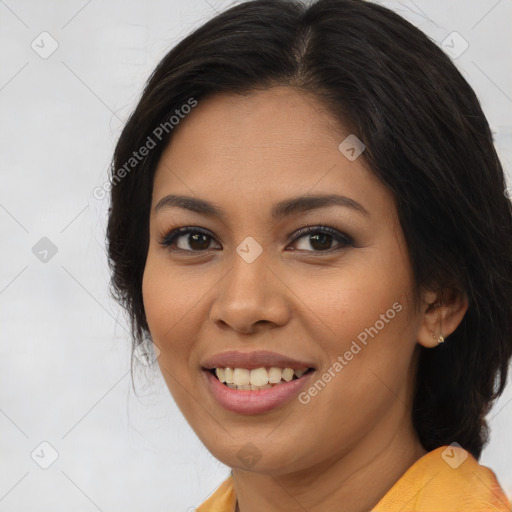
(282, 119)
(265, 145)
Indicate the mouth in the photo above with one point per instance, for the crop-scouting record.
(256, 390)
(244, 379)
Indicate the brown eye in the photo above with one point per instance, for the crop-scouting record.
(316, 239)
(321, 241)
(320, 238)
(187, 239)
(197, 241)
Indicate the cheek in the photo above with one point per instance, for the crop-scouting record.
(360, 321)
(360, 312)
(171, 302)
(343, 302)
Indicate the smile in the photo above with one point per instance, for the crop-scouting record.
(244, 379)
(250, 398)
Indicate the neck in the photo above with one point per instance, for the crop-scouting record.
(342, 480)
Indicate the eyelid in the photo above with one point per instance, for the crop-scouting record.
(343, 239)
(175, 233)
(335, 233)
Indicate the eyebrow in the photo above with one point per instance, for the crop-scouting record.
(280, 210)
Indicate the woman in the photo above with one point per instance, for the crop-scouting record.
(308, 220)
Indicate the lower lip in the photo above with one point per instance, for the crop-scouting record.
(254, 402)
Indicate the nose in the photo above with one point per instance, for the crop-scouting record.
(250, 297)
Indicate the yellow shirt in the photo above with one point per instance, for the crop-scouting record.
(447, 479)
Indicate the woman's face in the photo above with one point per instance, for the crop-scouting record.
(338, 299)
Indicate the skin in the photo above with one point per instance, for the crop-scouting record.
(245, 153)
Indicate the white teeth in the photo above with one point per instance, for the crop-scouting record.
(274, 375)
(247, 387)
(287, 374)
(258, 378)
(228, 374)
(241, 376)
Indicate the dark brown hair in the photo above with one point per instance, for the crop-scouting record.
(426, 139)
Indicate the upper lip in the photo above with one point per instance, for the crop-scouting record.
(252, 360)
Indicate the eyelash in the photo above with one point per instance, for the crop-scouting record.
(344, 240)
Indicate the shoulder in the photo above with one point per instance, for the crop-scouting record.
(447, 479)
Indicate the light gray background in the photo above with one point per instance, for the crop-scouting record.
(64, 366)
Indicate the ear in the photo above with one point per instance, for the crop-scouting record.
(442, 312)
